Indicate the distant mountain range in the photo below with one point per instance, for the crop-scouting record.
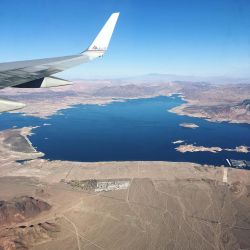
(185, 78)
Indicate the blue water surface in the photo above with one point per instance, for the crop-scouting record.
(140, 129)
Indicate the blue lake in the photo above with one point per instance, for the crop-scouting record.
(140, 129)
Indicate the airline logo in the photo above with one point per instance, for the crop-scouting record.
(96, 48)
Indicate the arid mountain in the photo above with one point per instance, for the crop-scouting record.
(216, 102)
(244, 105)
(23, 237)
(20, 208)
(130, 91)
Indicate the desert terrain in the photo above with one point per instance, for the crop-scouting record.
(211, 101)
(216, 102)
(124, 205)
(118, 205)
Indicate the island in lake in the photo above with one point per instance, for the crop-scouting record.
(189, 125)
(178, 142)
(193, 148)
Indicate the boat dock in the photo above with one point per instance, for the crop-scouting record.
(238, 163)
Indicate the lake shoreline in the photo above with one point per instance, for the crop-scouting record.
(45, 139)
(182, 110)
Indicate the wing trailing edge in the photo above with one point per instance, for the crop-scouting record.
(46, 82)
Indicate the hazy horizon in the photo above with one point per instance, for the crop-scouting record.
(169, 77)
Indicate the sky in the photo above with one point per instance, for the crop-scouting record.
(183, 37)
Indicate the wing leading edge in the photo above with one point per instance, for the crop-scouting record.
(19, 73)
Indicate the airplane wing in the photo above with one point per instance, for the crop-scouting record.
(36, 73)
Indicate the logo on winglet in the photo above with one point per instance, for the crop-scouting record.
(97, 48)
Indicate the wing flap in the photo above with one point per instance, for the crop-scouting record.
(7, 105)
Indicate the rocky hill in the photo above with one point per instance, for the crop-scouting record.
(21, 208)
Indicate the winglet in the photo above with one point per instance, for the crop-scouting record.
(102, 40)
